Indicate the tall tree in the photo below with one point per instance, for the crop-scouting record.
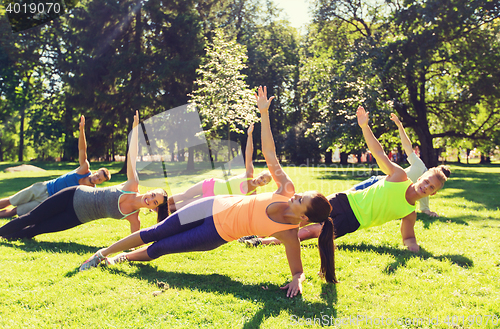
(222, 96)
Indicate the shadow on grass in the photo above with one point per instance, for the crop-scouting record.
(403, 256)
(28, 245)
(273, 299)
(427, 221)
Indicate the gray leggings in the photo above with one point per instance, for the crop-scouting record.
(189, 229)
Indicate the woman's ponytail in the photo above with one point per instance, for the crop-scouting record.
(326, 247)
(319, 212)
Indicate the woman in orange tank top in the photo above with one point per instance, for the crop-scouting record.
(213, 221)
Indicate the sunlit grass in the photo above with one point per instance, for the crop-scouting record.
(456, 273)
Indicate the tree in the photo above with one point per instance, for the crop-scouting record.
(429, 59)
(222, 97)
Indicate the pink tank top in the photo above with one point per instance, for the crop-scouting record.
(237, 216)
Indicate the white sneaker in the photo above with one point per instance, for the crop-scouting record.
(120, 258)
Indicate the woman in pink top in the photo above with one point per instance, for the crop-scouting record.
(210, 222)
(243, 184)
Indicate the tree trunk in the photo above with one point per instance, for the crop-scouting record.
(21, 133)
(343, 158)
(328, 157)
(190, 162)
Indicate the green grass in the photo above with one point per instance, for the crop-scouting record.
(456, 273)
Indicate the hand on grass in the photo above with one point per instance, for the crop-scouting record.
(430, 213)
(295, 286)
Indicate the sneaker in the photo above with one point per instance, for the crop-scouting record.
(120, 258)
(254, 242)
(92, 261)
(245, 238)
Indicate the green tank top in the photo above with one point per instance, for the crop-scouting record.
(230, 186)
(380, 203)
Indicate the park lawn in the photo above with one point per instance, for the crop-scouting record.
(452, 283)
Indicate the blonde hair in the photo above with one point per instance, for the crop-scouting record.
(442, 173)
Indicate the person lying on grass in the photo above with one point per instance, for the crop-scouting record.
(361, 207)
(78, 205)
(27, 199)
(210, 222)
(244, 184)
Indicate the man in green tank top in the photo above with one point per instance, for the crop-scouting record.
(391, 198)
(397, 201)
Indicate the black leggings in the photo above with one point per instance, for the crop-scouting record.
(54, 214)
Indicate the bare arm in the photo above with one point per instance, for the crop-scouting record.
(292, 247)
(408, 232)
(132, 183)
(135, 222)
(405, 141)
(394, 172)
(249, 153)
(285, 184)
(82, 149)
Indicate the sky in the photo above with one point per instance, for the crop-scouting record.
(296, 10)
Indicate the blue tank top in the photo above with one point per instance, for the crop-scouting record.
(66, 180)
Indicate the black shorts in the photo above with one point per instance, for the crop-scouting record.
(344, 220)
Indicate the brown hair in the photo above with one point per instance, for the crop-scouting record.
(319, 212)
(163, 210)
(106, 173)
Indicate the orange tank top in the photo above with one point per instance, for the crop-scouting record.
(236, 216)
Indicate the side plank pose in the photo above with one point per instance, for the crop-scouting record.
(244, 184)
(77, 205)
(25, 200)
(213, 221)
(390, 198)
(417, 168)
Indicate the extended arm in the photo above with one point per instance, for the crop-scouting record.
(394, 172)
(408, 232)
(292, 247)
(132, 183)
(249, 153)
(82, 149)
(285, 184)
(405, 141)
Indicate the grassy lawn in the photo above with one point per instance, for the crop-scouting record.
(454, 282)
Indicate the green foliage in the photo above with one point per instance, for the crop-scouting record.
(221, 96)
(423, 57)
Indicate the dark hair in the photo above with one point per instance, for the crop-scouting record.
(163, 210)
(319, 212)
(106, 173)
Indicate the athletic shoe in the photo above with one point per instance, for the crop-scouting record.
(254, 242)
(248, 237)
(120, 258)
(92, 261)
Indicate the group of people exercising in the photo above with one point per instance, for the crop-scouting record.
(214, 212)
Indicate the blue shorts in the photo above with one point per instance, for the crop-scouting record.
(367, 183)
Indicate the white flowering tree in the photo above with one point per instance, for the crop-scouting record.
(221, 94)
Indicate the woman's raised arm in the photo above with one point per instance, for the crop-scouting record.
(285, 184)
